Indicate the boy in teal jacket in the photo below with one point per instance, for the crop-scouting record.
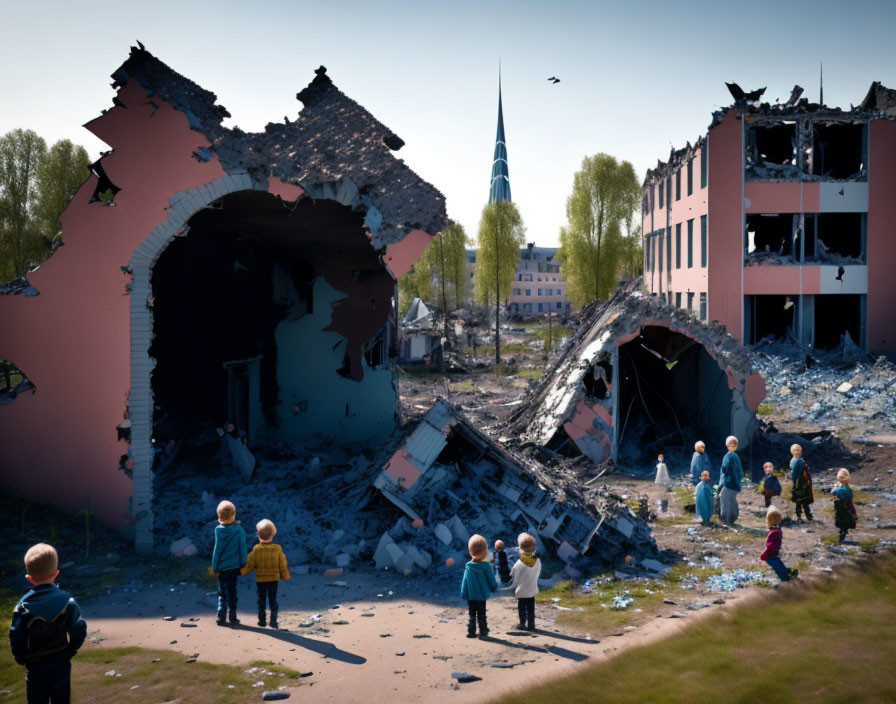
(477, 585)
(228, 556)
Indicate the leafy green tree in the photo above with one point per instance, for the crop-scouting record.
(417, 283)
(59, 176)
(604, 196)
(501, 235)
(632, 258)
(36, 185)
(443, 261)
(21, 152)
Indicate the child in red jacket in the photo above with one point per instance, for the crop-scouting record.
(773, 545)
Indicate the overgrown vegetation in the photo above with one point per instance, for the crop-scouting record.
(801, 644)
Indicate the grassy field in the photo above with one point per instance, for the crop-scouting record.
(826, 641)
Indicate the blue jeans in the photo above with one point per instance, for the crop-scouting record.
(779, 568)
(227, 593)
(267, 591)
(49, 681)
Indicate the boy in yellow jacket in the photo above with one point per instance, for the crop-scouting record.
(269, 563)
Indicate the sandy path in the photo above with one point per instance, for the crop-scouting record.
(354, 662)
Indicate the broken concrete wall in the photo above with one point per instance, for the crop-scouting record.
(581, 405)
(448, 475)
(85, 338)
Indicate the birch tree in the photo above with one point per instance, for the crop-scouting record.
(500, 237)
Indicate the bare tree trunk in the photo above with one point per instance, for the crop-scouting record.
(497, 298)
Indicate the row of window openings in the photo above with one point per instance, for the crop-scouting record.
(690, 302)
(546, 292)
(528, 277)
(655, 257)
(542, 307)
(664, 188)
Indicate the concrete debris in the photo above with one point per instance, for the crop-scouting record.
(183, 548)
(465, 677)
(447, 465)
(274, 696)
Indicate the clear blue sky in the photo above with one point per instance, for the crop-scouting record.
(636, 78)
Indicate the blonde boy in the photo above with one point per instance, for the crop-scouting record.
(228, 556)
(525, 574)
(46, 629)
(801, 494)
(770, 555)
(269, 563)
(477, 585)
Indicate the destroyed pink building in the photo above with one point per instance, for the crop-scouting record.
(778, 222)
(638, 378)
(209, 275)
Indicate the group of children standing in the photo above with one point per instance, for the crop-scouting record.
(479, 581)
(845, 517)
(230, 560)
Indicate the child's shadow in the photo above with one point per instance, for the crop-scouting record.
(564, 636)
(554, 649)
(328, 650)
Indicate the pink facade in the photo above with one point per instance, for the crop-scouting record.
(538, 286)
(85, 340)
(882, 236)
(794, 244)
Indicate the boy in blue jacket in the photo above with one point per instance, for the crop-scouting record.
(228, 556)
(46, 630)
(477, 585)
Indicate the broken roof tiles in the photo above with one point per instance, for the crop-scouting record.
(333, 140)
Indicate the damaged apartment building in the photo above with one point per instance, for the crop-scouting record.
(639, 378)
(779, 221)
(209, 275)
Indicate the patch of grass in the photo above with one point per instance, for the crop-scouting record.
(747, 654)
(172, 677)
(465, 385)
(534, 373)
(869, 545)
(830, 540)
(765, 409)
(683, 494)
(594, 613)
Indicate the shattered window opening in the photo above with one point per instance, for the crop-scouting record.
(771, 238)
(773, 145)
(839, 149)
(837, 315)
(769, 316)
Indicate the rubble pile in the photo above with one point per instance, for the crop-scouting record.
(823, 390)
(411, 508)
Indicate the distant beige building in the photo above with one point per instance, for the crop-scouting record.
(538, 286)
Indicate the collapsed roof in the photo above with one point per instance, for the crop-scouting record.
(333, 139)
(577, 406)
(452, 476)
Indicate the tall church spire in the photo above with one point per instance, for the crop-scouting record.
(500, 185)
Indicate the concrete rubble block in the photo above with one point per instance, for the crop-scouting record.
(625, 526)
(334, 572)
(183, 548)
(395, 554)
(443, 533)
(654, 566)
(381, 556)
(343, 560)
(421, 558)
(566, 551)
(844, 388)
(406, 562)
(572, 572)
(458, 529)
(337, 536)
